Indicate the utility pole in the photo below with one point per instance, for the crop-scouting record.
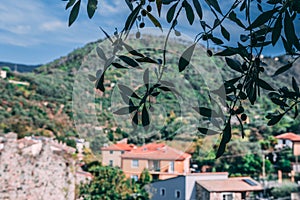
(263, 152)
(263, 166)
(297, 169)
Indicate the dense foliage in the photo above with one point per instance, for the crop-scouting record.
(110, 183)
(274, 20)
(45, 107)
(285, 190)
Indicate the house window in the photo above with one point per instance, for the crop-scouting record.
(154, 165)
(227, 196)
(135, 177)
(177, 194)
(135, 163)
(162, 191)
(111, 163)
(205, 195)
(243, 195)
(122, 152)
(171, 166)
(111, 152)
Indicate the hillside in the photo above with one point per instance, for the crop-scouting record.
(45, 106)
(19, 67)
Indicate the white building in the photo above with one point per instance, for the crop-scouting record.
(203, 186)
(3, 74)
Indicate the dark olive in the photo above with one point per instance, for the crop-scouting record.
(138, 35)
(209, 53)
(244, 117)
(144, 13)
(149, 8)
(142, 25)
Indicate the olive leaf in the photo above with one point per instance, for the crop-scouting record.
(154, 21)
(131, 62)
(74, 12)
(283, 69)
(171, 12)
(189, 12)
(198, 8)
(275, 119)
(185, 58)
(207, 131)
(91, 7)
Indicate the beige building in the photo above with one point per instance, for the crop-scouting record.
(161, 160)
(111, 155)
(204, 186)
(290, 140)
(3, 74)
(238, 188)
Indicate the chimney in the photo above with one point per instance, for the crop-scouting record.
(279, 176)
(293, 176)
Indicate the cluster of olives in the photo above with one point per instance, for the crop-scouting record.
(143, 14)
(239, 111)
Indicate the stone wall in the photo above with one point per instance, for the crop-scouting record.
(30, 175)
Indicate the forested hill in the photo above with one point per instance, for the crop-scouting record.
(45, 106)
(19, 67)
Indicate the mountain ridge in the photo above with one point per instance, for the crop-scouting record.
(45, 107)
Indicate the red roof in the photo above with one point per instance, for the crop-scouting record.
(119, 147)
(289, 136)
(156, 151)
(237, 184)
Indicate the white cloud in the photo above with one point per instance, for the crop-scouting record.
(17, 41)
(52, 26)
(108, 8)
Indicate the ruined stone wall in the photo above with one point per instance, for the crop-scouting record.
(44, 175)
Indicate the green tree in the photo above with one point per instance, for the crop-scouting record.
(285, 157)
(98, 142)
(261, 24)
(110, 183)
(285, 190)
(5, 68)
(243, 159)
(69, 142)
(145, 177)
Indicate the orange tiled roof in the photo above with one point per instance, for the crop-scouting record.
(289, 136)
(237, 184)
(156, 151)
(119, 147)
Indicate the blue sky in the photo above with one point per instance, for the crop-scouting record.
(36, 31)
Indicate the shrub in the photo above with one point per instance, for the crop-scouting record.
(285, 189)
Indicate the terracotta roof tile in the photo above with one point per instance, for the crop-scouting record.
(237, 184)
(289, 136)
(119, 147)
(156, 151)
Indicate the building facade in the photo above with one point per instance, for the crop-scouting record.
(290, 140)
(204, 186)
(161, 161)
(181, 187)
(238, 188)
(111, 155)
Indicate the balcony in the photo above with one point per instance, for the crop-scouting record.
(154, 165)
